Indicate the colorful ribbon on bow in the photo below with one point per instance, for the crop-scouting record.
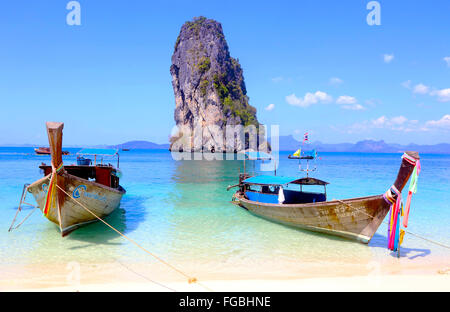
(394, 224)
(412, 189)
(51, 189)
(397, 211)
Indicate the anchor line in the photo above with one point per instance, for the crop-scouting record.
(143, 276)
(406, 231)
(190, 278)
(19, 209)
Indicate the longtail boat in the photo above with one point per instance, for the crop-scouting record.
(46, 151)
(69, 196)
(273, 198)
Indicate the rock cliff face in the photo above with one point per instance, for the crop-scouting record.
(209, 90)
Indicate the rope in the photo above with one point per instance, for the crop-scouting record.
(190, 279)
(24, 219)
(144, 277)
(19, 209)
(409, 232)
(427, 239)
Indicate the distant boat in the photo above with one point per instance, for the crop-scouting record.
(46, 151)
(125, 149)
(274, 198)
(94, 186)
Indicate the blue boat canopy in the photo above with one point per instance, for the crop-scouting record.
(98, 151)
(258, 155)
(281, 180)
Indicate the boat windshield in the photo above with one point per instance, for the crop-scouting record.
(270, 189)
(99, 154)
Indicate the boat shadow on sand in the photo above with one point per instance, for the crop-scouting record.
(377, 241)
(125, 219)
(380, 241)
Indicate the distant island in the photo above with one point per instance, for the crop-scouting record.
(140, 145)
(289, 143)
(209, 90)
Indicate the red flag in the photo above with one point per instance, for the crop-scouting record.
(305, 137)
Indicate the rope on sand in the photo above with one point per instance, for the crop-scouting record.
(144, 277)
(191, 279)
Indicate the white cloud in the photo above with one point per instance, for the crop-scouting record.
(372, 102)
(277, 79)
(346, 99)
(407, 84)
(421, 89)
(442, 95)
(270, 107)
(380, 122)
(349, 102)
(399, 123)
(444, 122)
(447, 60)
(308, 99)
(388, 58)
(335, 81)
(398, 120)
(353, 107)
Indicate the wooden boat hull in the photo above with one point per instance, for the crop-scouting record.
(99, 199)
(46, 151)
(357, 219)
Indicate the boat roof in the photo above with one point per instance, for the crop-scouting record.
(98, 151)
(283, 180)
(258, 155)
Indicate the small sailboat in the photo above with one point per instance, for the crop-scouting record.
(64, 193)
(284, 200)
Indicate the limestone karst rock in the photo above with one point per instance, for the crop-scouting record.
(209, 90)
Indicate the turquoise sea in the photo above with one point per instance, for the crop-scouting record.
(181, 211)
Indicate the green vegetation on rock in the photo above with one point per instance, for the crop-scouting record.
(233, 98)
(203, 85)
(204, 64)
(196, 24)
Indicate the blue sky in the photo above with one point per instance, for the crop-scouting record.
(312, 66)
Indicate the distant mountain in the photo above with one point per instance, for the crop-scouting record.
(289, 143)
(442, 148)
(141, 145)
(339, 147)
(20, 145)
(369, 146)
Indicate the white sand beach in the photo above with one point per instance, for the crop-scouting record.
(372, 276)
(394, 283)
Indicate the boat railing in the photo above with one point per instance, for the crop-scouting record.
(99, 153)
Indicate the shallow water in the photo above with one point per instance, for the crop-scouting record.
(180, 210)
